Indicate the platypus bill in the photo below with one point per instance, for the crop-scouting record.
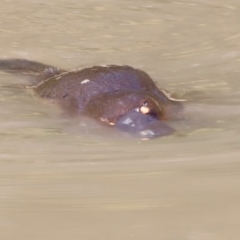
(119, 96)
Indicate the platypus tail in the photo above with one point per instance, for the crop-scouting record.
(38, 70)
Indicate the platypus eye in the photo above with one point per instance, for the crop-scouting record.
(144, 108)
(150, 109)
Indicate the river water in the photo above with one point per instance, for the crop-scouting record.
(62, 180)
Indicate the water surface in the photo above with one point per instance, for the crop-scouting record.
(62, 180)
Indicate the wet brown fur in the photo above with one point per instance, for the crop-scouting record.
(104, 93)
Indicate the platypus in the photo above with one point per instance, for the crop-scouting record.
(119, 96)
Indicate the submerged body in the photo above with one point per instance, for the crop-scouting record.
(119, 96)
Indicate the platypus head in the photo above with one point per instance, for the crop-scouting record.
(141, 114)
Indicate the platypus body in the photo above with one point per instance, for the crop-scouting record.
(119, 96)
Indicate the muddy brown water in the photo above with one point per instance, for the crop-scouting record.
(62, 180)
